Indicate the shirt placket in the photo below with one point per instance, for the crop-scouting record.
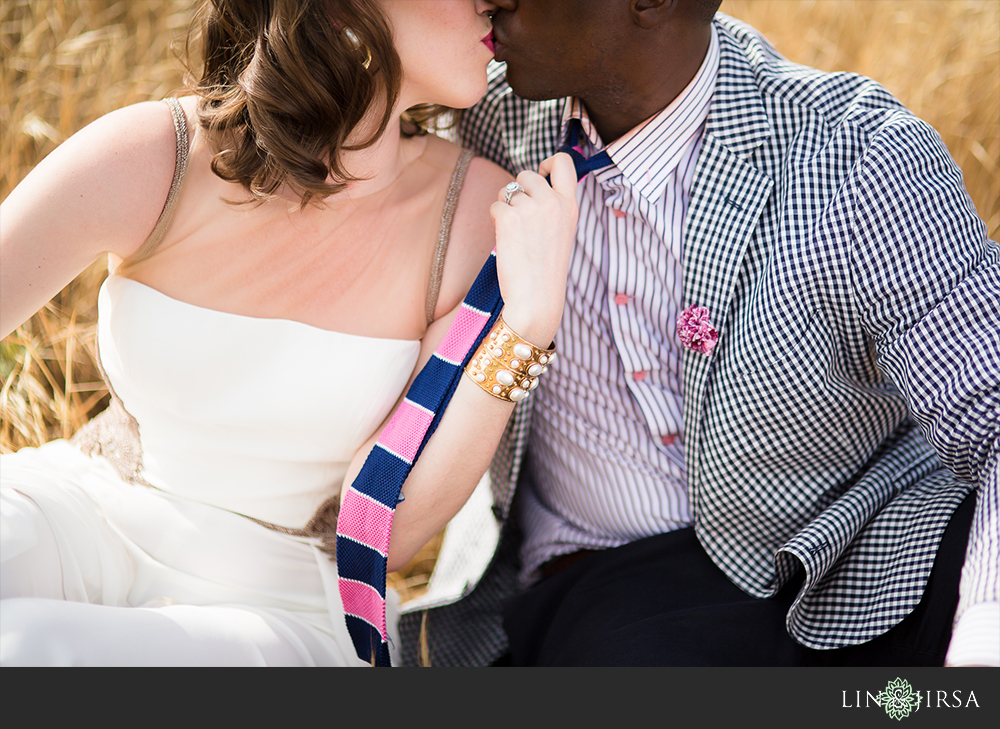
(628, 285)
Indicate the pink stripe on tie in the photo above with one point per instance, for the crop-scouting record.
(365, 603)
(463, 332)
(404, 432)
(365, 521)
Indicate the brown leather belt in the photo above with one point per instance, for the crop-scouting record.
(563, 561)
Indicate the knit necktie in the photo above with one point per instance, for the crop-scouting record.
(367, 506)
(584, 165)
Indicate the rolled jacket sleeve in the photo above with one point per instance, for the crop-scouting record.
(927, 282)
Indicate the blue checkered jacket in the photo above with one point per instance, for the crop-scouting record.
(853, 399)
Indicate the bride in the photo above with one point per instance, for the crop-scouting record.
(289, 215)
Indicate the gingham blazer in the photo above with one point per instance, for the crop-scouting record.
(853, 398)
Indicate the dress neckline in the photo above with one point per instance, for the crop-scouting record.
(244, 317)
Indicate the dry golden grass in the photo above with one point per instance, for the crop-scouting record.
(939, 57)
(64, 63)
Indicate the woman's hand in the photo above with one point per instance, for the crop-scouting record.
(535, 235)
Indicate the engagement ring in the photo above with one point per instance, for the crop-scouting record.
(510, 190)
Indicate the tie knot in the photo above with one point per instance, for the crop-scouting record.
(583, 164)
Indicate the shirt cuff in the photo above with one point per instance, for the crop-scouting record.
(976, 638)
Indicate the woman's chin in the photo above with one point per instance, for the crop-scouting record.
(476, 93)
(471, 92)
(461, 95)
(466, 97)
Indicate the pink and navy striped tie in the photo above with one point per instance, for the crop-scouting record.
(364, 524)
(368, 504)
(584, 165)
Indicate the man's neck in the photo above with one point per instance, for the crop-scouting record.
(650, 85)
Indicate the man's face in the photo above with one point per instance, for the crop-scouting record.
(556, 48)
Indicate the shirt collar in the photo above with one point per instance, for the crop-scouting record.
(648, 154)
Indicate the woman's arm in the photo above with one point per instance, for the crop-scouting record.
(534, 237)
(100, 191)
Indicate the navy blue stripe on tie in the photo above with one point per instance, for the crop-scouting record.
(391, 470)
(365, 521)
(355, 561)
(584, 165)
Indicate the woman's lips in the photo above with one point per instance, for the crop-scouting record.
(488, 41)
(496, 44)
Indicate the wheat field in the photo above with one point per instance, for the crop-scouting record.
(64, 63)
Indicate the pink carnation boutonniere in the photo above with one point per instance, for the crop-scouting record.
(695, 331)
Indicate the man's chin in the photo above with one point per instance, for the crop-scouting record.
(527, 88)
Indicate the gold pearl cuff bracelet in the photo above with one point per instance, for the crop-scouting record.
(507, 366)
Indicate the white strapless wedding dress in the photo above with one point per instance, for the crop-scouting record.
(238, 417)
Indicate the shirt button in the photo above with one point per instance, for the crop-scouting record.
(618, 213)
(622, 299)
(640, 375)
(669, 439)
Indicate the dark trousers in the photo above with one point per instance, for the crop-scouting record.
(661, 601)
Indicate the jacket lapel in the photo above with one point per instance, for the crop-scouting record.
(728, 195)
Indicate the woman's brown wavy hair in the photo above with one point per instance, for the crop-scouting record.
(282, 88)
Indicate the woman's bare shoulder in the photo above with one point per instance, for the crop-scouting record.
(481, 171)
(486, 178)
(473, 222)
(141, 133)
(473, 235)
(111, 177)
(100, 191)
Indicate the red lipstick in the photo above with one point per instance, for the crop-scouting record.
(488, 41)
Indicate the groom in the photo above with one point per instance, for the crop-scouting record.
(772, 436)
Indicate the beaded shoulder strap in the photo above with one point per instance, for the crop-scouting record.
(180, 168)
(447, 217)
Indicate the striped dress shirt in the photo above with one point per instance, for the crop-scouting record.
(851, 403)
(607, 445)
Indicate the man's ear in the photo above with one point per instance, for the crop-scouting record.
(649, 13)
